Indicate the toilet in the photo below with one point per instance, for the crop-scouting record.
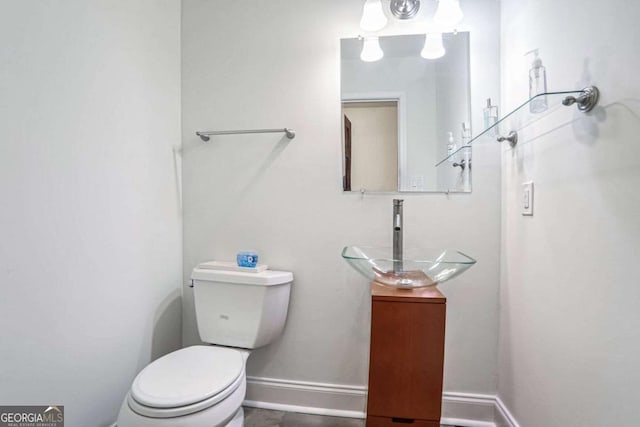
(205, 385)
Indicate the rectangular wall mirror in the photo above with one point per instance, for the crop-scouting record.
(402, 113)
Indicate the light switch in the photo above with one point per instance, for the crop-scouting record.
(527, 198)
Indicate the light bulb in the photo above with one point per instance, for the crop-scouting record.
(371, 50)
(373, 18)
(448, 13)
(433, 47)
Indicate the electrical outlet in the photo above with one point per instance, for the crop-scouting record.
(527, 198)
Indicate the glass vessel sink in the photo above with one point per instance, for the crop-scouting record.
(418, 268)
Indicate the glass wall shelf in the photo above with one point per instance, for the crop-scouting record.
(521, 116)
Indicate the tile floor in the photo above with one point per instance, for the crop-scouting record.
(264, 418)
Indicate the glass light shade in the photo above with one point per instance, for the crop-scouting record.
(433, 47)
(371, 50)
(373, 18)
(448, 13)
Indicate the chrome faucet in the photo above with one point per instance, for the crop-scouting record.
(397, 235)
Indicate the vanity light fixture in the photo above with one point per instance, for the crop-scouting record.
(371, 50)
(404, 9)
(448, 13)
(373, 18)
(433, 47)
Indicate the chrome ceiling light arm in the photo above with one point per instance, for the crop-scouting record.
(404, 9)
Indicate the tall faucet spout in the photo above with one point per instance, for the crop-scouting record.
(397, 235)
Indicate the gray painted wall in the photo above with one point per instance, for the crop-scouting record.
(89, 259)
(569, 323)
(272, 65)
(90, 216)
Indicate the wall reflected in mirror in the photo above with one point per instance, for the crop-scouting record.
(402, 114)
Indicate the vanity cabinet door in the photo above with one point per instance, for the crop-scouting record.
(406, 358)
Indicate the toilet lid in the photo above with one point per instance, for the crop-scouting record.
(187, 376)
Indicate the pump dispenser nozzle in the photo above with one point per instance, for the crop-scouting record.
(536, 64)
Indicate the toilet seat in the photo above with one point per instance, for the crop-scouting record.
(187, 381)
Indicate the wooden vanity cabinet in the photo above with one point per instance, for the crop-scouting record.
(406, 357)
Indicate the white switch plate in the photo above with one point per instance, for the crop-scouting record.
(527, 198)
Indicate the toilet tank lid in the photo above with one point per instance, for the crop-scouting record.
(264, 278)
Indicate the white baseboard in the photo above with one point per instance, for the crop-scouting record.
(458, 422)
(339, 400)
(307, 397)
(503, 416)
(468, 409)
(304, 409)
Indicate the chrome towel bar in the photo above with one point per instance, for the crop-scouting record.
(205, 135)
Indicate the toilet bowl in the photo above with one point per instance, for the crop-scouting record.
(205, 385)
(195, 386)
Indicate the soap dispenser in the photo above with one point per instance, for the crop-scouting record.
(451, 148)
(465, 133)
(490, 113)
(537, 84)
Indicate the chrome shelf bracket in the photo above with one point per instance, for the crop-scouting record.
(585, 101)
(512, 138)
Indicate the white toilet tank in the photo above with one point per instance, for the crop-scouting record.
(240, 309)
